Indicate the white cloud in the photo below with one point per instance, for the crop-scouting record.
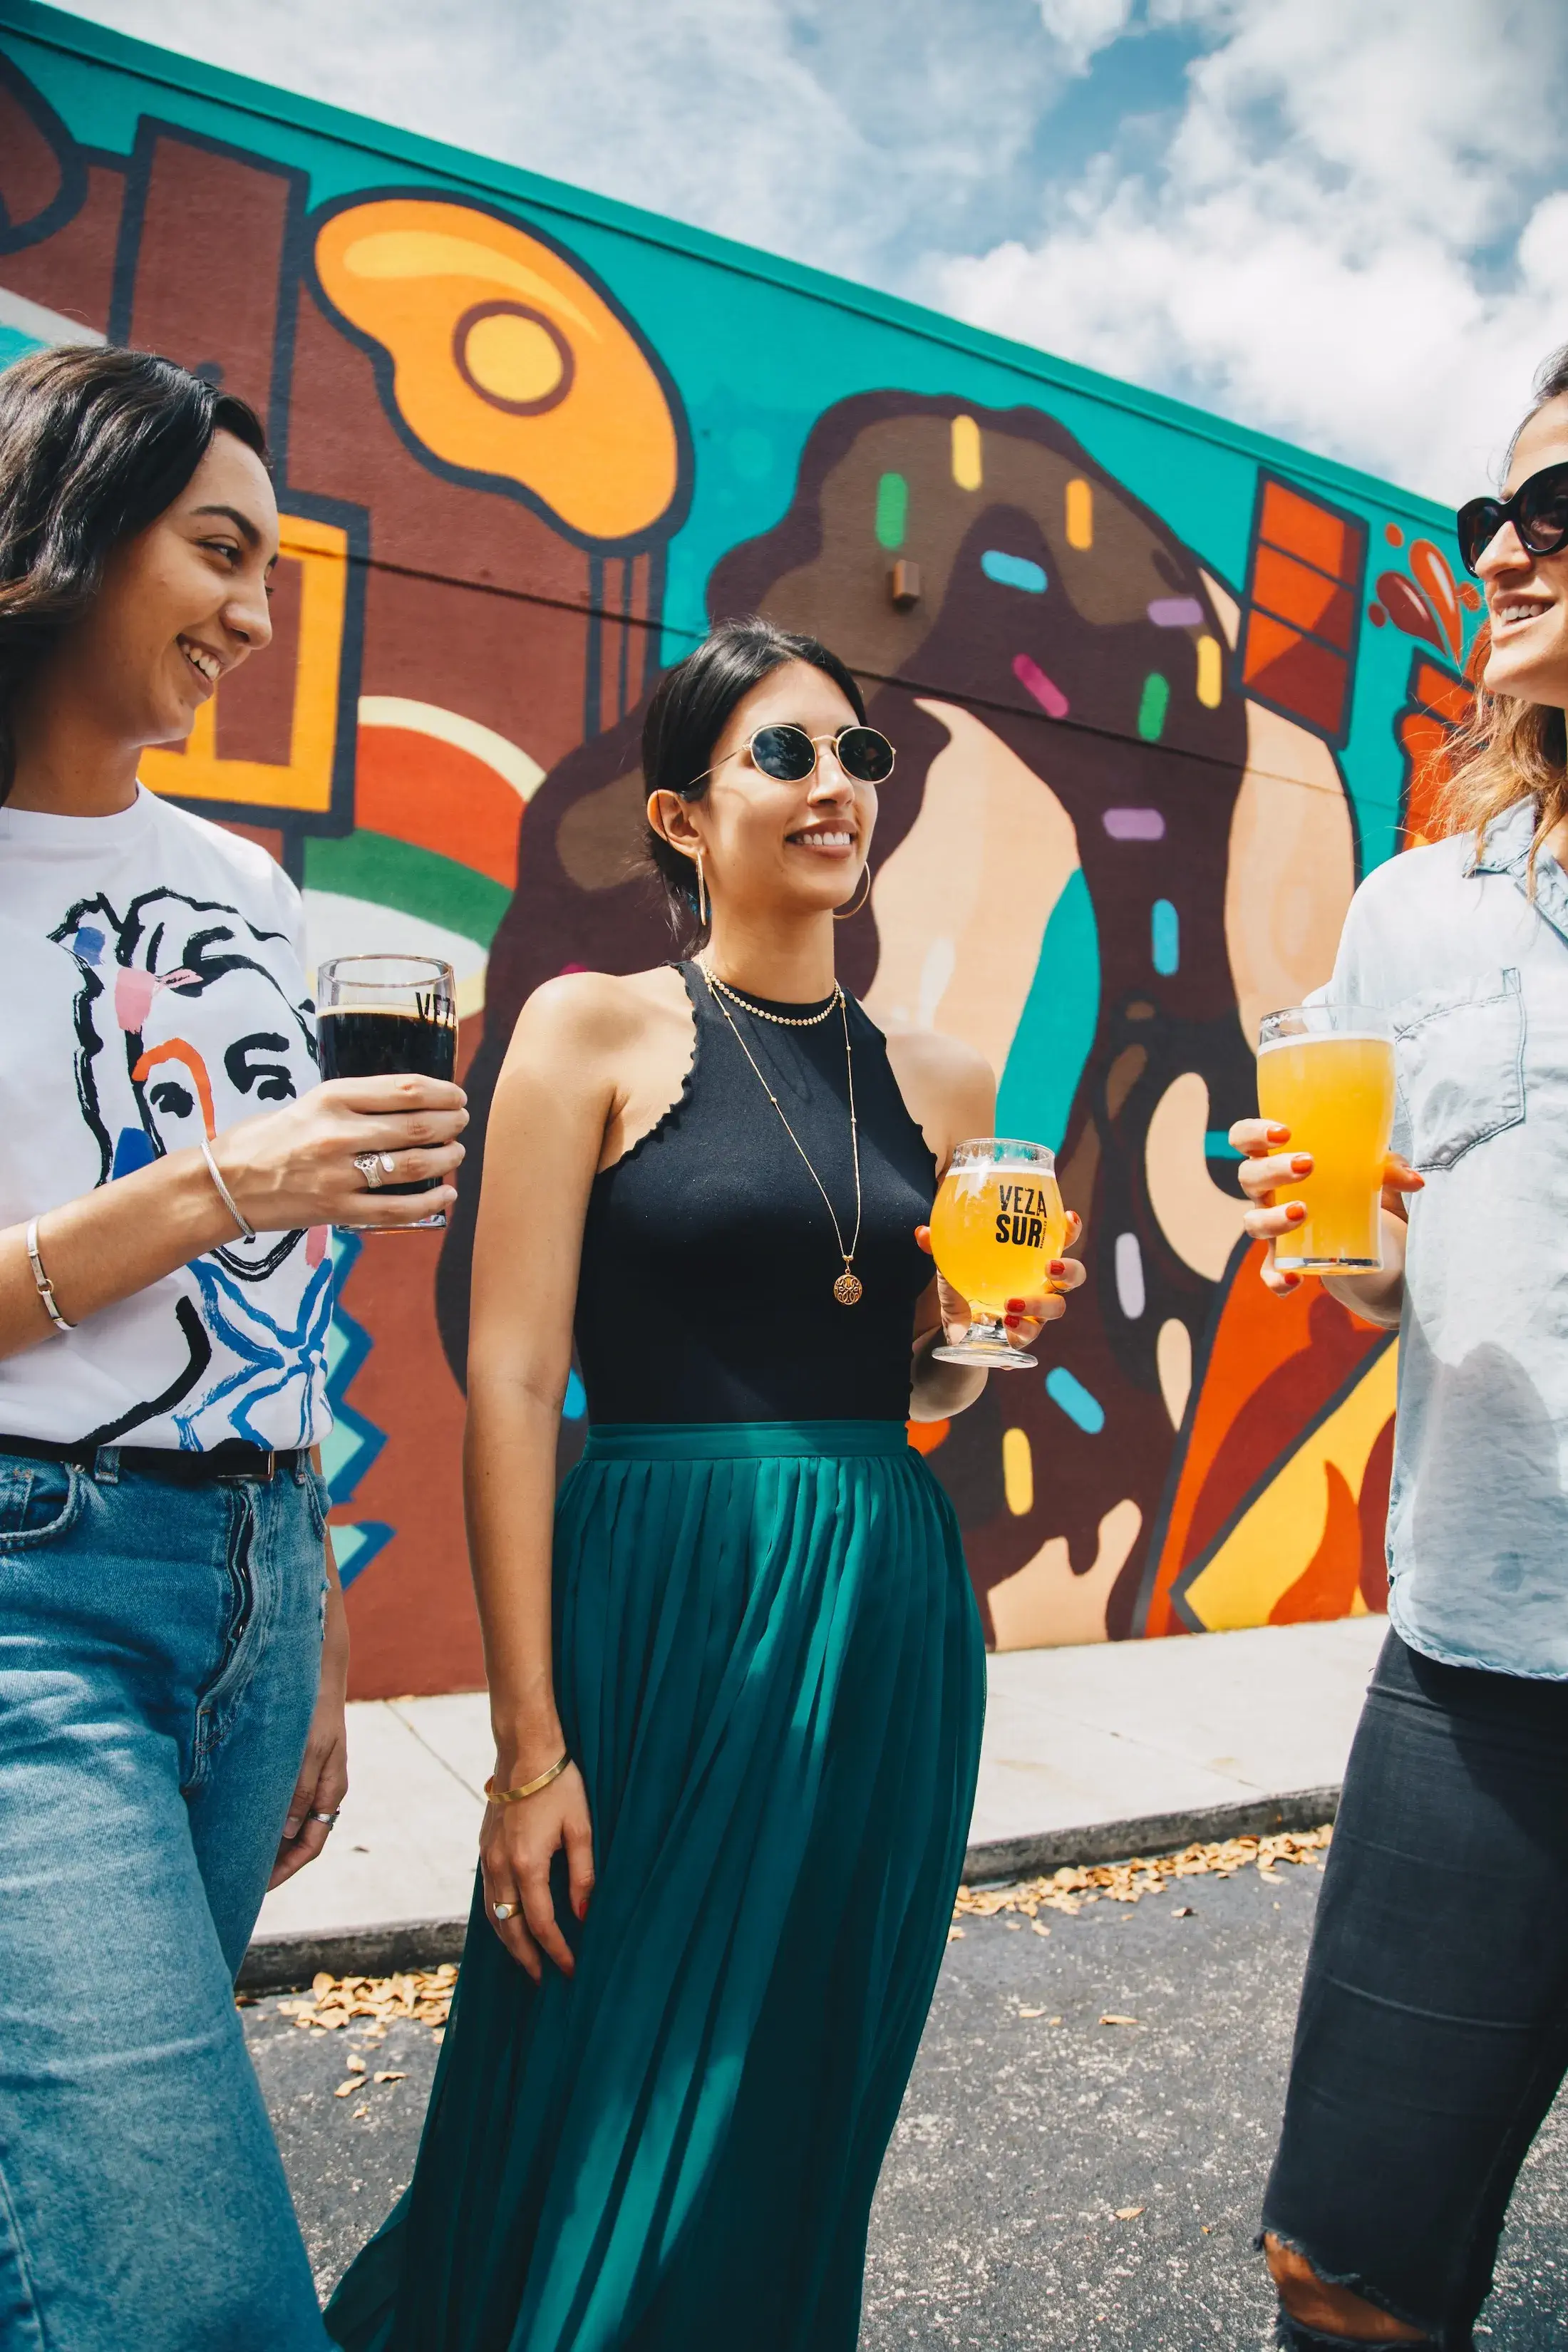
(845, 135)
(1083, 27)
(1340, 222)
(1351, 238)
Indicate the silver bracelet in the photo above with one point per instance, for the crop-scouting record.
(46, 1288)
(224, 1195)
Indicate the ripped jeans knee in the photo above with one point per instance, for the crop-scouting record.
(1318, 2310)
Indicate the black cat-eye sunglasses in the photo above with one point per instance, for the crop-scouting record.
(1538, 511)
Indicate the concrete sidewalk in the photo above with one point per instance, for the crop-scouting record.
(1090, 1754)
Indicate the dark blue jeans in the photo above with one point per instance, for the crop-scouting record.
(1432, 2032)
(160, 1648)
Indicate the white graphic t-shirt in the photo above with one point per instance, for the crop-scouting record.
(152, 979)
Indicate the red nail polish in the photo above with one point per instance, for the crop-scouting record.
(1058, 1265)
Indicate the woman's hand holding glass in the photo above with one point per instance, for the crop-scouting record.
(296, 1166)
(1268, 1170)
(1025, 1319)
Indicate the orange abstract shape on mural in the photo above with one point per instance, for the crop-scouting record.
(1408, 609)
(1439, 702)
(1303, 594)
(280, 757)
(1271, 1369)
(439, 797)
(506, 362)
(1431, 569)
(1293, 1550)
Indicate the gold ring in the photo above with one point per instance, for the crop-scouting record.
(503, 1910)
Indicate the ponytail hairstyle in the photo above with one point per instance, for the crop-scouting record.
(691, 708)
(1507, 748)
(95, 445)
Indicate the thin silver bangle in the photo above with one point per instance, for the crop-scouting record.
(224, 1195)
(46, 1288)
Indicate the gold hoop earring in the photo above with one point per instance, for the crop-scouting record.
(859, 902)
(703, 915)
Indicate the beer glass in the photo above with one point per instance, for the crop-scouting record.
(379, 1015)
(1326, 1072)
(997, 1224)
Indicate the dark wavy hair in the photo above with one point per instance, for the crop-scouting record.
(95, 445)
(689, 710)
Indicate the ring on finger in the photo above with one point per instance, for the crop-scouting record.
(330, 1818)
(505, 1910)
(375, 1167)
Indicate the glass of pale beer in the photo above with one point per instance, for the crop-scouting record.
(997, 1224)
(1326, 1072)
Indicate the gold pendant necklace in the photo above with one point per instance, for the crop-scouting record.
(849, 1289)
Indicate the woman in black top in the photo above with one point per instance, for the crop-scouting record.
(743, 1712)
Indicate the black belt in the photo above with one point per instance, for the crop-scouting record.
(235, 1458)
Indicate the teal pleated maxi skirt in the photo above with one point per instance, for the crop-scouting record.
(770, 1669)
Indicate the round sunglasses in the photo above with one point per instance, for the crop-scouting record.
(1538, 511)
(788, 754)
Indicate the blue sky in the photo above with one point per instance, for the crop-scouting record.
(1343, 221)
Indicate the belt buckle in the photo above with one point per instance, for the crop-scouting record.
(271, 1463)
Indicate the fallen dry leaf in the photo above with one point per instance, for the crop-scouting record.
(1127, 1882)
(354, 2062)
(1127, 2213)
(1184, 1911)
(393, 2074)
(955, 1934)
(353, 2084)
(1031, 2012)
(1110, 2018)
(422, 1995)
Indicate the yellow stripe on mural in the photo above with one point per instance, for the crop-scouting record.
(1271, 1547)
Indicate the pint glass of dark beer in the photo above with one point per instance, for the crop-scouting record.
(379, 1015)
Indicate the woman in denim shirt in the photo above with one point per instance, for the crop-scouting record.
(1432, 2032)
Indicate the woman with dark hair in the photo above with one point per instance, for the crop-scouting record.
(171, 1728)
(1433, 2033)
(737, 1703)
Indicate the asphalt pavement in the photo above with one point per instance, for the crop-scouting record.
(1054, 2181)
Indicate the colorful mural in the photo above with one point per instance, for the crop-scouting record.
(1161, 689)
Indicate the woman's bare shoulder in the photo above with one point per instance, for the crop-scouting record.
(595, 1011)
(924, 1055)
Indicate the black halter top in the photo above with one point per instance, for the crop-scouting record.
(709, 1256)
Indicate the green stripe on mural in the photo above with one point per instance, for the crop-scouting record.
(416, 881)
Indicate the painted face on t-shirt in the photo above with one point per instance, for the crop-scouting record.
(213, 1032)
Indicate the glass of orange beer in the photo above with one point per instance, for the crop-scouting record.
(997, 1224)
(1326, 1072)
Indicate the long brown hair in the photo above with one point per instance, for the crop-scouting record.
(1508, 748)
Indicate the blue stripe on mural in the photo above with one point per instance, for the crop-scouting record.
(1082, 1408)
(1057, 1026)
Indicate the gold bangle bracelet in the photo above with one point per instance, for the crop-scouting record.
(529, 1789)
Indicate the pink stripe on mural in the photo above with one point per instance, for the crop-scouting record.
(1032, 679)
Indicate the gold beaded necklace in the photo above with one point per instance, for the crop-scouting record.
(849, 1289)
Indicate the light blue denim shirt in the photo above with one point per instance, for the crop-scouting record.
(1475, 975)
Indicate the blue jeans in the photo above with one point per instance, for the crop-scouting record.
(160, 1651)
(1432, 2032)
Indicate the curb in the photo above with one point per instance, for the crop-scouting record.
(283, 1963)
(1031, 1857)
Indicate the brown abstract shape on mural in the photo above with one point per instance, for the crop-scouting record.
(412, 1618)
(1303, 597)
